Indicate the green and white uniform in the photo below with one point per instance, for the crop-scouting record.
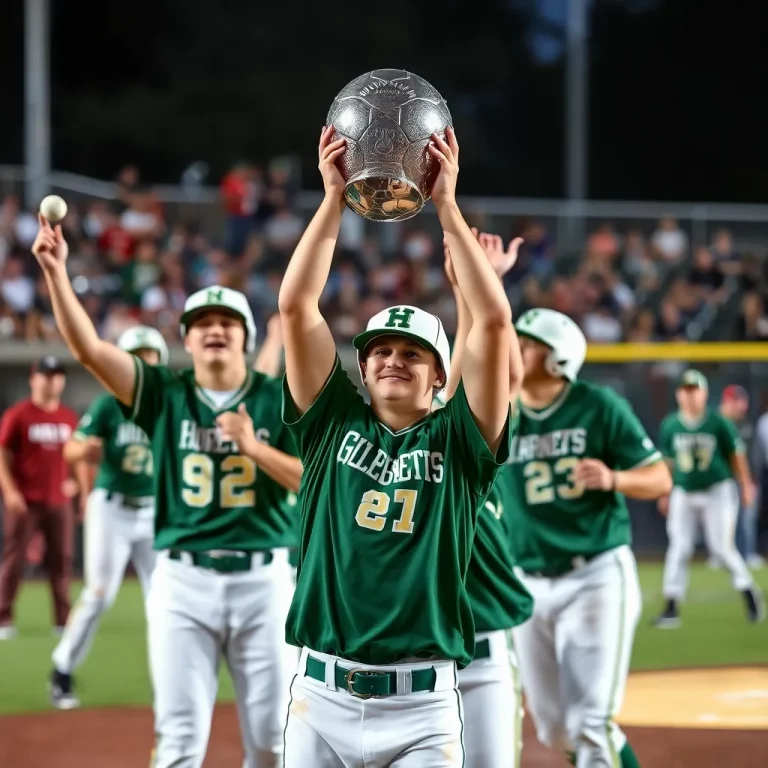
(223, 583)
(118, 524)
(490, 685)
(573, 546)
(704, 493)
(387, 523)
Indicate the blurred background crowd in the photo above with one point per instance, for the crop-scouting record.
(135, 259)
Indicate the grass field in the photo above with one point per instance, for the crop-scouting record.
(714, 633)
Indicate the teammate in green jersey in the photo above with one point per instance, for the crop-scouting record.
(706, 453)
(118, 523)
(222, 581)
(578, 450)
(490, 689)
(388, 500)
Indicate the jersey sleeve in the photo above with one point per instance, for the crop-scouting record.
(95, 421)
(148, 395)
(330, 409)
(729, 438)
(9, 429)
(478, 463)
(628, 444)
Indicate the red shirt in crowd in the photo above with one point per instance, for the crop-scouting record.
(36, 439)
(239, 195)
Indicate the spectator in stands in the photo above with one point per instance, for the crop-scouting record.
(241, 193)
(669, 241)
(753, 322)
(142, 272)
(603, 245)
(670, 325)
(601, 325)
(724, 253)
(40, 324)
(637, 262)
(642, 327)
(706, 278)
(143, 217)
(127, 182)
(537, 252)
(162, 304)
(17, 289)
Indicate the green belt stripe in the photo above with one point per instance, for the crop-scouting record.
(365, 684)
(235, 563)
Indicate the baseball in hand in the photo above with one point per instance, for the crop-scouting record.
(53, 208)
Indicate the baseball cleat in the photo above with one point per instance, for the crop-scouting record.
(755, 605)
(670, 618)
(61, 691)
(7, 632)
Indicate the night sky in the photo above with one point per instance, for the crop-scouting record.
(676, 87)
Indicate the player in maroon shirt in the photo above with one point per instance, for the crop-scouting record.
(34, 480)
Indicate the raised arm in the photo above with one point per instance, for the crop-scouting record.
(113, 367)
(486, 364)
(463, 324)
(268, 361)
(310, 351)
(501, 261)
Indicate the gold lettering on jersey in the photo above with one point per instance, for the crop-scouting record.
(694, 451)
(551, 445)
(129, 434)
(203, 439)
(357, 452)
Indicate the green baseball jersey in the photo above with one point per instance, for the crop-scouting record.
(701, 451)
(498, 598)
(209, 496)
(126, 465)
(552, 518)
(387, 522)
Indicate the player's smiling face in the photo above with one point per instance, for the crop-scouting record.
(398, 368)
(214, 337)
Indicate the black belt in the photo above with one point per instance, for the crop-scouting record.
(132, 502)
(367, 684)
(231, 562)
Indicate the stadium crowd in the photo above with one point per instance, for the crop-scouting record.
(133, 260)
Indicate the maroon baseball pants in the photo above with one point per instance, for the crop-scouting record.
(57, 526)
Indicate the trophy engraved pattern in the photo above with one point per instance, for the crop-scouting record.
(387, 117)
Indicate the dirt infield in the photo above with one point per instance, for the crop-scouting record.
(122, 738)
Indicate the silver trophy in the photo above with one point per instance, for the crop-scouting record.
(387, 117)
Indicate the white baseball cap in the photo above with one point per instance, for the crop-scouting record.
(219, 297)
(411, 322)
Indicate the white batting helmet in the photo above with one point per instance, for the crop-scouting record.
(561, 334)
(219, 297)
(411, 322)
(144, 337)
